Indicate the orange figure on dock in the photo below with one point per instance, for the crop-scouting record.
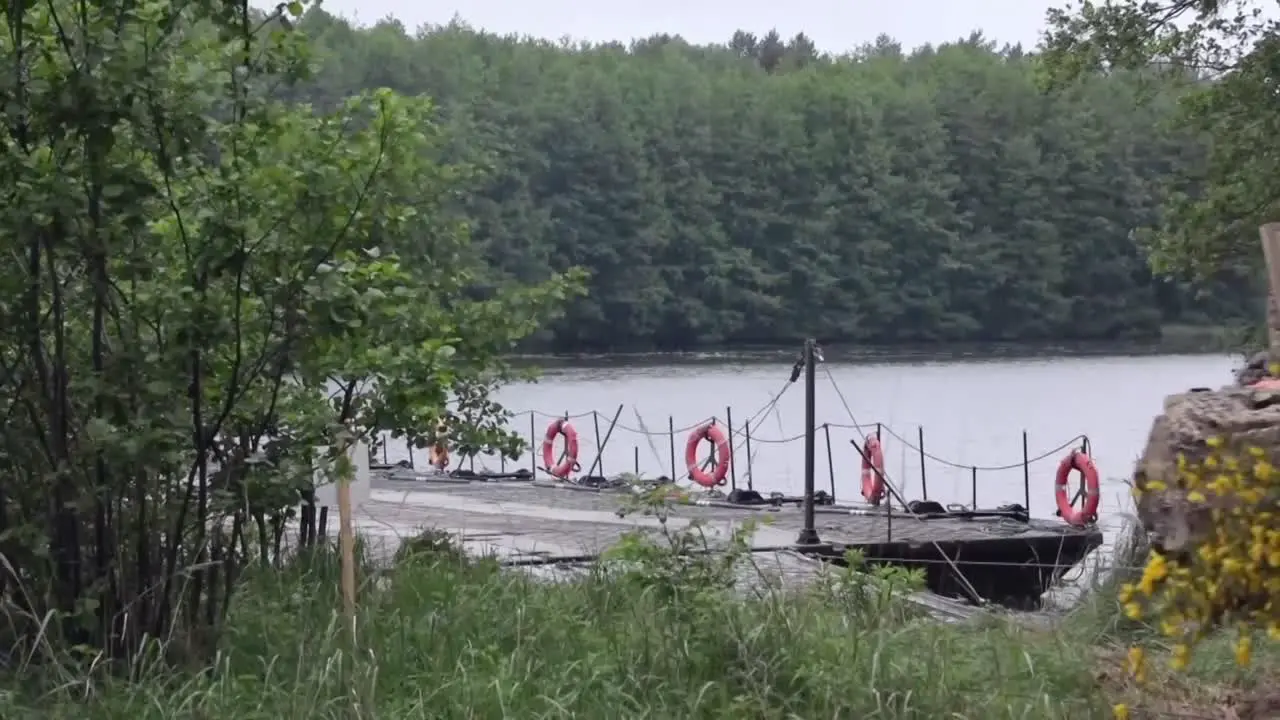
(439, 457)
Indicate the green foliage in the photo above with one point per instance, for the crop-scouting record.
(443, 639)
(1224, 55)
(651, 631)
(429, 546)
(680, 560)
(757, 192)
(205, 284)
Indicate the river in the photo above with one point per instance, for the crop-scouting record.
(973, 412)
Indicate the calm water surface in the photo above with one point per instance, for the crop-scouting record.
(972, 412)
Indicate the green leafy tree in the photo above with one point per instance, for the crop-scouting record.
(208, 282)
(1221, 55)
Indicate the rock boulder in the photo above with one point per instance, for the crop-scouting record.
(1241, 417)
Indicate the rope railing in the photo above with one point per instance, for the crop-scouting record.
(887, 429)
(743, 432)
(663, 433)
(1078, 439)
(746, 440)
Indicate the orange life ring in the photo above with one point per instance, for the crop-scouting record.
(569, 463)
(724, 455)
(1079, 461)
(872, 470)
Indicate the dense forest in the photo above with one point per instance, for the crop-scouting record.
(759, 191)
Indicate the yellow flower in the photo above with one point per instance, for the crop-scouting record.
(1126, 593)
(1181, 656)
(1120, 712)
(1262, 470)
(1133, 611)
(1244, 647)
(1257, 551)
(1147, 585)
(1137, 661)
(1157, 569)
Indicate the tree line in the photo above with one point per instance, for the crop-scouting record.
(758, 192)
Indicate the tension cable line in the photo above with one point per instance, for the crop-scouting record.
(893, 490)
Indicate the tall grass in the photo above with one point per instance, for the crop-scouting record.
(441, 637)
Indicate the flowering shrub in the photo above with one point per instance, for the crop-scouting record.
(1231, 575)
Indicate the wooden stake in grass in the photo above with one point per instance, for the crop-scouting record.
(1270, 234)
(345, 466)
(347, 542)
(346, 532)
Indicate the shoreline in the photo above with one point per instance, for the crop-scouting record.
(1176, 341)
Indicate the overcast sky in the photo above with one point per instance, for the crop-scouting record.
(834, 25)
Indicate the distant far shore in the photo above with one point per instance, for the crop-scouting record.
(1174, 340)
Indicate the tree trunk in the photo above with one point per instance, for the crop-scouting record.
(1270, 234)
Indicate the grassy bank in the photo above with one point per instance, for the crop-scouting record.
(442, 638)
